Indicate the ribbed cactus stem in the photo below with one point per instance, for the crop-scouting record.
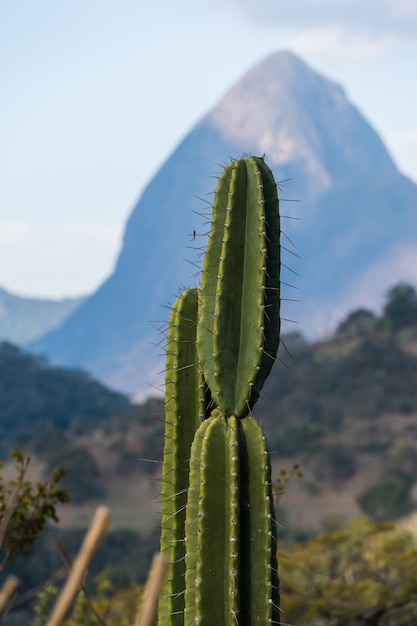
(183, 406)
(231, 563)
(239, 315)
(218, 522)
(260, 583)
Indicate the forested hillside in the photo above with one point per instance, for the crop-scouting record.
(34, 396)
(340, 418)
(344, 409)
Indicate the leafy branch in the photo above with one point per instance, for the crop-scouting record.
(25, 508)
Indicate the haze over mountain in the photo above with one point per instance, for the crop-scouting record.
(356, 235)
(25, 319)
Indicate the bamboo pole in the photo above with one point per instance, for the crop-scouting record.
(7, 593)
(89, 546)
(153, 587)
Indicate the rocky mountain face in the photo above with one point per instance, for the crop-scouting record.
(353, 222)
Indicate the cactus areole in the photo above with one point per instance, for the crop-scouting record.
(218, 518)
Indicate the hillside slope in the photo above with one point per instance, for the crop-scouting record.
(345, 410)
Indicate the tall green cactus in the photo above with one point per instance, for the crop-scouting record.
(184, 409)
(218, 523)
(239, 318)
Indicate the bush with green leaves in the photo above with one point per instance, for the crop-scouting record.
(388, 498)
(362, 575)
(400, 308)
(26, 507)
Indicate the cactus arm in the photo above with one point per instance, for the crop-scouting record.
(238, 330)
(271, 287)
(205, 527)
(231, 563)
(260, 583)
(182, 405)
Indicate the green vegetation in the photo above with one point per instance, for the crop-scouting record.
(387, 498)
(34, 397)
(109, 606)
(400, 309)
(39, 555)
(25, 508)
(347, 412)
(331, 400)
(363, 575)
(328, 385)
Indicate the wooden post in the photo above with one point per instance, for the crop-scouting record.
(7, 593)
(89, 546)
(153, 587)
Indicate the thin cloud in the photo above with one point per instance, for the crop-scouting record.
(13, 232)
(344, 47)
(374, 17)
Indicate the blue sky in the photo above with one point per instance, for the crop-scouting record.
(96, 94)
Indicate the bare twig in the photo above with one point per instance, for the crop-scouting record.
(34, 592)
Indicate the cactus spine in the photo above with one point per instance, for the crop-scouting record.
(218, 516)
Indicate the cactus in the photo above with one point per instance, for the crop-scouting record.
(184, 412)
(239, 319)
(218, 522)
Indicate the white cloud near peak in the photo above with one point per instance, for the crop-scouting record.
(375, 17)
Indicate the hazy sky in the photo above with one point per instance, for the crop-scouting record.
(95, 94)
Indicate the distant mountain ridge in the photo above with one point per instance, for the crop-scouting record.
(35, 397)
(357, 220)
(25, 319)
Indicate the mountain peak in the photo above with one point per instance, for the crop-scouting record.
(302, 121)
(352, 196)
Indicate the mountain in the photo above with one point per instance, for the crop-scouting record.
(356, 233)
(24, 319)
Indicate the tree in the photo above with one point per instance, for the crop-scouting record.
(25, 508)
(403, 462)
(361, 575)
(358, 322)
(400, 309)
(387, 498)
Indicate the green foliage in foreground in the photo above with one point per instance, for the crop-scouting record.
(364, 574)
(361, 575)
(110, 606)
(25, 508)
